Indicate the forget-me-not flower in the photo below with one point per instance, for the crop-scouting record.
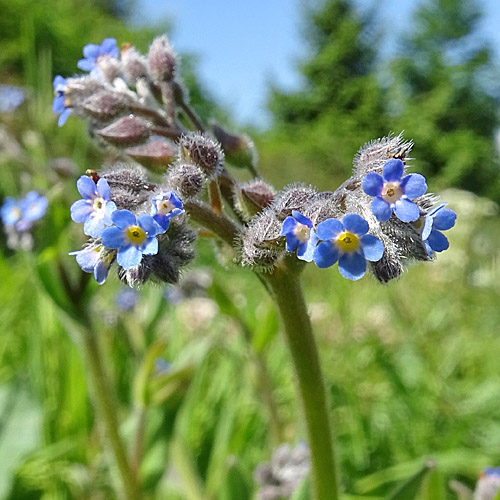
(22, 213)
(164, 206)
(437, 220)
(11, 97)
(348, 243)
(96, 208)
(92, 52)
(133, 237)
(300, 235)
(92, 259)
(60, 104)
(393, 192)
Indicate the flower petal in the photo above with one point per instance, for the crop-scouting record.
(162, 220)
(108, 46)
(302, 219)
(101, 271)
(444, 219)
(413, 185)
(325, 254)
(87, 258)
(58, 104)
(329, 229)
(86, 64)
(151, 247)
(288, 226)
(63, 117)
(129, 256)
(292, 242)
(373, 248)
(110, 208)
(80, 210)
(428, 223)
(112, 237)
(91, 51)
(438, 241)
(94, 226)
(406, 210)
(123, 218)
(149, 225)
(372, 184)
(354, 223)
(352, 266)
(393, 170)
(305, 251)
(103, 188)
(381, 209)
(86, 187)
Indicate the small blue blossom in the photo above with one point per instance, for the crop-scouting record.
(33, 206)
(488, 484)
(93, 259)
(60, 104)
(96, 208)
(11, 97)
(393, 192)
(10, 211)
(164, 206)
(133, 237)
(21, 214)
(92, 53)
(437, 220)
(127, 299)
(162, 366)
(300, 235)
(348, 243)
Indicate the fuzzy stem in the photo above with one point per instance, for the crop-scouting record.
(108, 412)
(287, 291)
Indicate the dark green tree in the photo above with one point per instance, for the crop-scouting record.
(442, 99)
(339, 105)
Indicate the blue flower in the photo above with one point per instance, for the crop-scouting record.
(348, 243)
(164, 206)
(437, 220)
(10, 97)
(60, 104)
(133, 237)
(393, 192)
(33, 206)
(96, 208)
(127, 299)
(21, 214)
(10, 211)
(94, 259)
(300, 235)
(92, 53)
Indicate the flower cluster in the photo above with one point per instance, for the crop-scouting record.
(117, 233)
(19, 216)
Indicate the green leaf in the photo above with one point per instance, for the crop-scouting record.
(411, 487)
(236, 484)
(433, 487)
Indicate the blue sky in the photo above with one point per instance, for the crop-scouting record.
(243, 45)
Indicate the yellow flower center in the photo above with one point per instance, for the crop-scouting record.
(164, 207)
(136, 235)
(391, 192)
(348, 242)
(302, 232)
(98, 204)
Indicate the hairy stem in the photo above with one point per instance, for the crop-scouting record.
(287, 292)
(108, 412)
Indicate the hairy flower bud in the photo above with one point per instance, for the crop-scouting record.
(106, 105)
(239, 149)
(135, 65)
(186, 179)
(203, 151)
(127, 131)
(110, 68)
(162, 60)
(155, 155)
(252, 197)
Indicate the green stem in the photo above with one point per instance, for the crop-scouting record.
(108, 412)
(287, 292)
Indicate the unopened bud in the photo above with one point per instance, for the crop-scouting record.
(162, 60)
(126, 131)
(186, 179)
(106, 105)
(110, 68)
(202, 151)
(239, 149)
(155, 155)
(135, 65)
(252, 197)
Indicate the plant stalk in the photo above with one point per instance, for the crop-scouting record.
(287, 292)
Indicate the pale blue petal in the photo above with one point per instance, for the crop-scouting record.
(86, 64)
(86, 258)
(444, 219)
(438, 241)
(372, 247)
(108, 46)
(354, 223)
(151, 247)
(123, 218)
(428, 222)
(163, 221)
(406, 210)
(86, 187)
(80, 210)
(110, 208)
(393, 170)
(329, 229)
(149, 225)
(63, 117)
(352, 266)
(91, 51)
(381, 209)
(414, 185)
(101, 272)
(302, 219)
(372, 184)
(112, 237)
(325, 254)
(94, 226)
(103, 188)
(58, 104)
(305, 251)
(129, 257)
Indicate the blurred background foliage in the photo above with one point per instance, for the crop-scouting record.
(412, 368)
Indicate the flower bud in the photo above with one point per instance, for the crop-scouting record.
(162, 60)
(186, 179)
(202, 151)
(135, 65)
(110, 68)
(155, 155)
(106, 105)
(252, 197)
(239, 149)
(127, 131)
